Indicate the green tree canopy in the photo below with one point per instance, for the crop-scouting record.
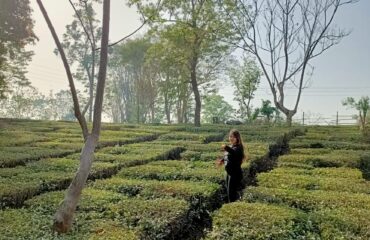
(267, 110)
(215, 106)
(16, 31)
(245, 77)
(199, 31)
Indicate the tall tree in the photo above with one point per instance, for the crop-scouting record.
(245, 77)
(200, 32)
(16, 31)
(64, 216)
(285, 36)
(80, 43)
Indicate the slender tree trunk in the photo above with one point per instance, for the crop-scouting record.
(93, 51)
(167, 108)
(184, 108)
(91, 89)
(137, 109)
(153, 112)
(64, 216)
(122, 113)
(180, 116)
(194, 85)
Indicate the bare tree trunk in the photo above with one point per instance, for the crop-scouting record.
(184, 107)
(91, 89)
(194, 85)
(153, 112)
(93, 51)
(180, 116)
(137, 109)
(64, 216)
(167, 108)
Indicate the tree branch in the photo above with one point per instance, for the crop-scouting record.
(81, 119)
(82, 24)
(102, 69)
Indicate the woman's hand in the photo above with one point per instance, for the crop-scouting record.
(219, 162)
(223, 146)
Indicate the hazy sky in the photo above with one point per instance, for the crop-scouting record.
(343, 70)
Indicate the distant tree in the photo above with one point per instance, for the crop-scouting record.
(285, 36)
(16, 32)
(267, 110)
(132, 88)
(172, 76)
(64, 216)
(22, 102)
(363, 107)
(215, 106)
(61, 105)
(245, 77)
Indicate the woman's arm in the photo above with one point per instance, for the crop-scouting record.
(230, 150)
(235, 151)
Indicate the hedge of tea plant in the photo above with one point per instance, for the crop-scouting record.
(156, 200)
(141, 218)
(14, 156)
(242, 220)
(20, 183)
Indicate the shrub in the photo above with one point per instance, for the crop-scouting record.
(343, 223)
(13, 156)
(193, 192)
(175, 170)
(45, 175)
(365, 166)
(155, 218)
(241, 220)
(19, 138)
(309, 181)
(342, 172)
(59, 145)
(34, 224)
(307, 143)
(180, 136)
(307, 200)
(336, 158)
(91, 200)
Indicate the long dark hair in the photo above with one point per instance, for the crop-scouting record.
(239, 139)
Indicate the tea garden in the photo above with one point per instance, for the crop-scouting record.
(160, 182)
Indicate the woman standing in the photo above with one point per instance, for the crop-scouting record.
(233, 158)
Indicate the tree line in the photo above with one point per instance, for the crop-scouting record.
(170, 73)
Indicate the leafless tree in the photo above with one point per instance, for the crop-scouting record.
(64, 216)
(284, 36)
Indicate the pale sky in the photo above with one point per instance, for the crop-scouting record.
(342, 71)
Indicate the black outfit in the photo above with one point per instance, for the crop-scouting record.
(233, 160)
